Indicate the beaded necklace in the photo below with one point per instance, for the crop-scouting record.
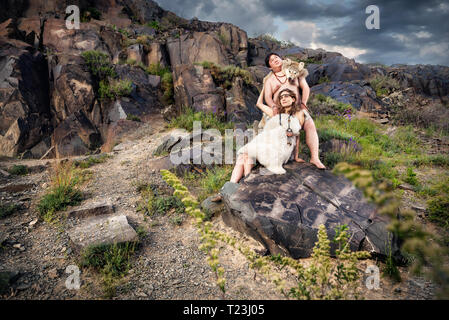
(280, 80)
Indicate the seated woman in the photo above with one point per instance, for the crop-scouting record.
(286, 104)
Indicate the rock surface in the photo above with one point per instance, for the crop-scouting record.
(357, 93)
(284, 213)
(102, 230)
(194, 86)
(91, 209)
(24, 100)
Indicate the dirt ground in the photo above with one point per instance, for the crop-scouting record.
(167, 263)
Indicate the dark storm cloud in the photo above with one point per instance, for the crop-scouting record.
(294, 10)
(410, 31)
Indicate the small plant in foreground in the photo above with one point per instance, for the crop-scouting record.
(111, 261)
(63, 193)
(328, 279)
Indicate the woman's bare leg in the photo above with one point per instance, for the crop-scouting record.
(247, 165)
(242, 166)
(237, 173)
(313, 142)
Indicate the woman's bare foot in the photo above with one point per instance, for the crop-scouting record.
(299, 160)
(318, 164)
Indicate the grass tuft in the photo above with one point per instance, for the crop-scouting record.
(18, 170)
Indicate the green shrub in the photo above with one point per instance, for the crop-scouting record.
(141, 232)
(131, 62)
(433, 159)
(157, 69)
(330, 159)
(18, 170)
(411, 177)
(208, 120)
(57, 200)
(213, 179)
(154, 24)
(90, 161)
(390, 269)
(423, 246)
(111, 261)
(224, 76)
(114, 89)
(406, 139)
(438, 209)
(154, 204)
(99, 64)
(167, 88)
(124, 32)
(63, 192)
(133, 117)
(322, 104)
(144, 40)
(383, 85)
(166, 81)
(324, 79)
(327, 134)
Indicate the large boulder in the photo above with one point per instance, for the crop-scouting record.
(194, 86)
(24, 97)
(427, 79)
(357, 93)
(145, 97)
(234, 40)
(197, 47)
(284, 212)
(241, 102)
(75, 136)
(119, 131)
(258, 49)
(337, 68)
(156, 54)
(72, 87)
(144, 10)
(57, 38)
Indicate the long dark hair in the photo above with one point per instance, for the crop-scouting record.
(294, 106)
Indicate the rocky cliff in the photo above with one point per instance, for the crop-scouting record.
(51, 100)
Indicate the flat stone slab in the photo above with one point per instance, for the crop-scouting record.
(91, 209)
(17, 187)
(102, 230)
(284, 212)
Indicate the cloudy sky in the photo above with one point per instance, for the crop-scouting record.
(411, 31)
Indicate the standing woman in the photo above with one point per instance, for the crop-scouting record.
(287, 104)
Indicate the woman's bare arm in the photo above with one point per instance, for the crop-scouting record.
(266, 109)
